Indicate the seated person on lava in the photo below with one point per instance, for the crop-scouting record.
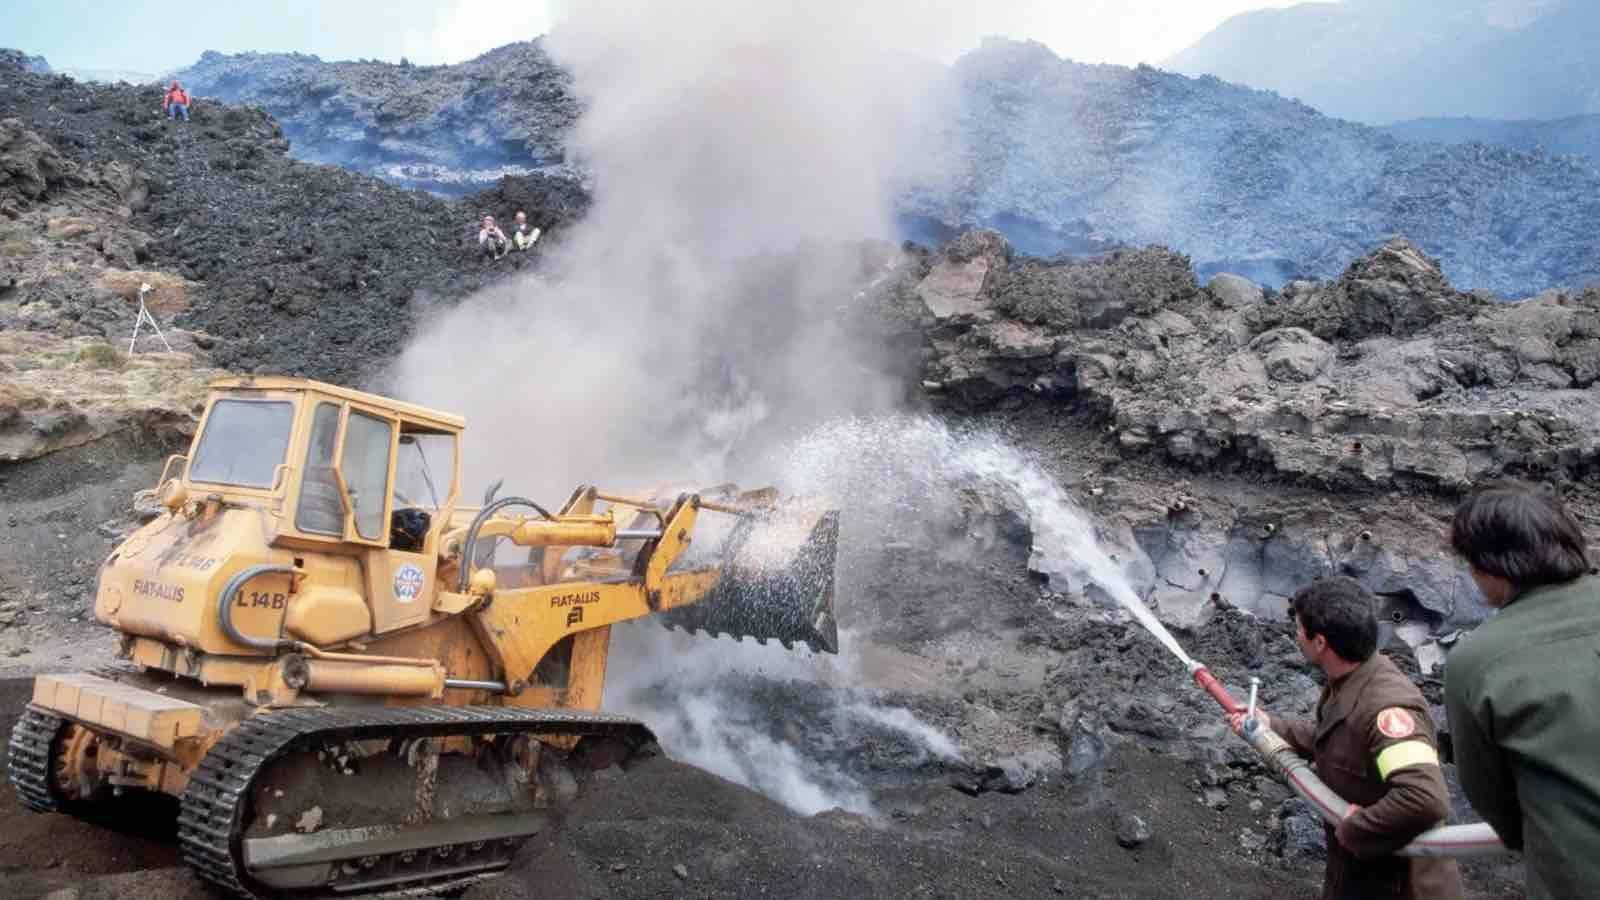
(524, 236)
(492, 239)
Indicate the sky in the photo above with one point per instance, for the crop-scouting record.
(154, 38)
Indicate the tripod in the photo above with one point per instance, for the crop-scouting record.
(144, 316)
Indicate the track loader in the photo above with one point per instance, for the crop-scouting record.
(351, 682)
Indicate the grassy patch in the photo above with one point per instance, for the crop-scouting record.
(68, 227)
(102, 356)
(15, 398)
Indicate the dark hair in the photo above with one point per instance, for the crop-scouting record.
(1520, 534)
(1342, 611)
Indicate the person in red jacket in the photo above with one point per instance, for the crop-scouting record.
(176, 102)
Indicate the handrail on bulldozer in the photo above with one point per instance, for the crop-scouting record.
(650, 505)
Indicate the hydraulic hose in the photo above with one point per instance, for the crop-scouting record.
(1477, 839)
(470, 544)
(225, 610)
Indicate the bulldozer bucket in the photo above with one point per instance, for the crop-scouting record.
(777, 584)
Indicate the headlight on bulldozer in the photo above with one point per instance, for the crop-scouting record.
(483, 582)
(174, 495)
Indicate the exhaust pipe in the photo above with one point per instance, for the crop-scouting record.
(1477, 839)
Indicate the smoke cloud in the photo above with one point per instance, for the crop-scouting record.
(743, 163)
(700, 315)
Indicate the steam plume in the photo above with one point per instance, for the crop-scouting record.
(743, 161)
(743, 164)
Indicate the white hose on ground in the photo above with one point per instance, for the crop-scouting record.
(1477, 839)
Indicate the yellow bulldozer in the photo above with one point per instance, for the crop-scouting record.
(352, 682)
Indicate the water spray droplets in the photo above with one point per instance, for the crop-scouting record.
(905, 465)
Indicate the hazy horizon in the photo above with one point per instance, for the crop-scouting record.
(140, 36)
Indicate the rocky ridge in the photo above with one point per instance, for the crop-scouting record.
(1060, 157)
(281, 266)
(450, 129)
(1386, 378)
(1386, 382)
(1241, 181)
(16, 59)
(1574, 135)
(72, 262)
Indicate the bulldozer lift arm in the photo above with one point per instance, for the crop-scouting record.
(519, 626)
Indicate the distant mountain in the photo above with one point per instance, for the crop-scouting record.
(1578, 135)
(1241, 180)
(1381, 61)
(451, 129)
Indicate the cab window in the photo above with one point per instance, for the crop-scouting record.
(365, 465)
(244, 443)
(425, 465)
(320, 510)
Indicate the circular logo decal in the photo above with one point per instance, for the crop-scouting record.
(1396, 723)
(407, 583)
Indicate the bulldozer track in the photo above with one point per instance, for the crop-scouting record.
(211, 817)
(31, 741)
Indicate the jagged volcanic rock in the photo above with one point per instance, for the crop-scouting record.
(290, 268)
(1059, 157)
(452, 129)
(71, 262)
(17, 60)
(1387, 377)
(1578, 135)
(1240, 180)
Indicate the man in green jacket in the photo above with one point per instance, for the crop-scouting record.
(1523, 689)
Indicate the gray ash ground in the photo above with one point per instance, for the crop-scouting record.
(1138, 739)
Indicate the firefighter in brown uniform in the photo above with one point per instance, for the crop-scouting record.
(1373, 744)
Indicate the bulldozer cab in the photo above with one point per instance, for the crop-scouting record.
(339, 467)
(357, 487)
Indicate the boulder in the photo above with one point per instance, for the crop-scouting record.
(1015, 774)
(1398, 290)
(1300, 835)
(1234, 292)
(29, 166)
(1094, 293)
(1132, 831)
(1292, 354)
(1236, 374)
(1086, 747)
(955, 288)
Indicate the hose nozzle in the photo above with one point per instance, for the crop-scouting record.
(1209, 683)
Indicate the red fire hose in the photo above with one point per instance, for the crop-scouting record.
(1477, 839)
